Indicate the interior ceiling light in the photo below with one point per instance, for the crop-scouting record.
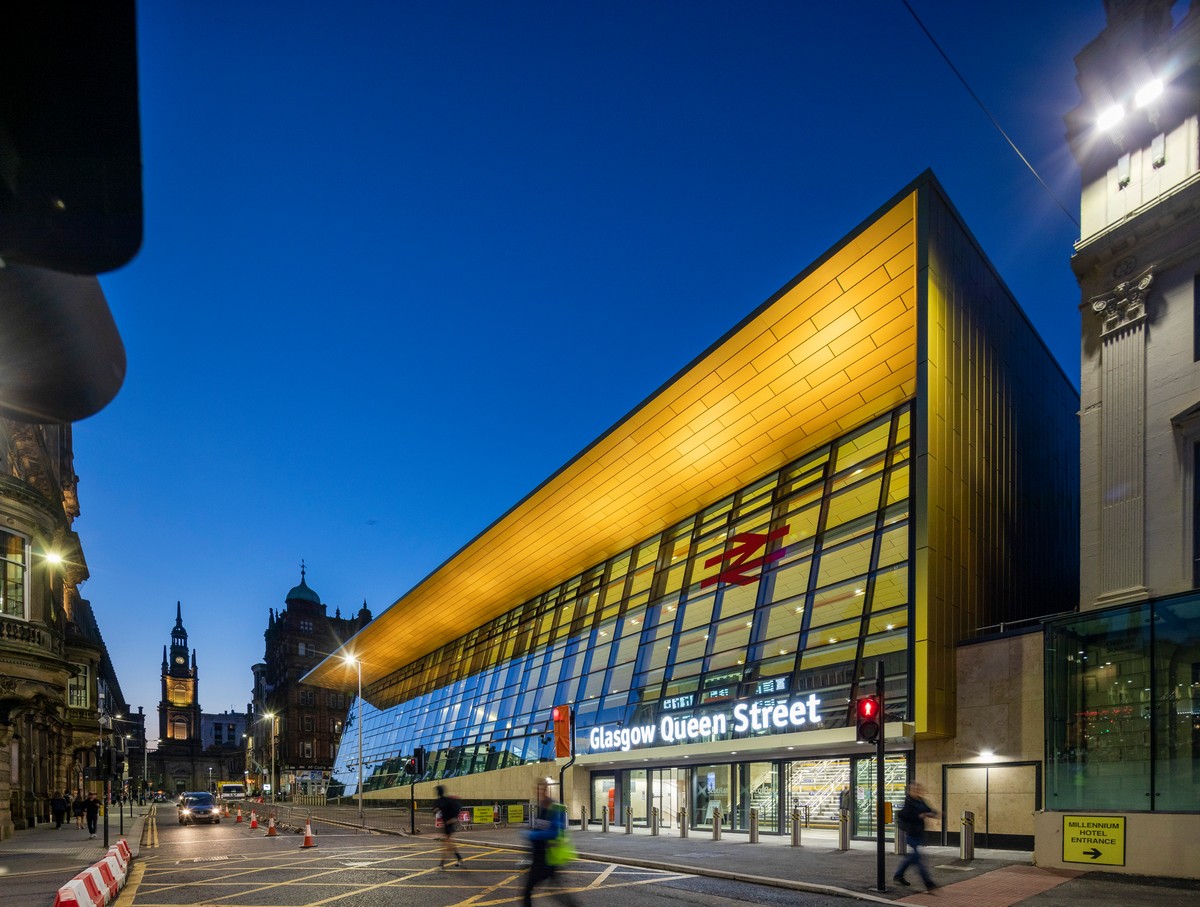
(1148, 92)
(1110, 117)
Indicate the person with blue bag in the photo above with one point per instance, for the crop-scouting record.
(549, 843)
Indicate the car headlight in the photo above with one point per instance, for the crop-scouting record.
(185, 812)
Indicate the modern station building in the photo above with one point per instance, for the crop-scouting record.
(878, 463)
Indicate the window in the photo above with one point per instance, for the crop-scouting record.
(179, 729)
(13, 558)
(79, 690)
(308, 697)
(217, 734)
(306, 626)
(308, 722)
(306, 749)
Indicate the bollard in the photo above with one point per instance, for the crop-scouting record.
(900, 845)
(716, 824)
(796, 827)
(966, 842)
(683, 822)
(753, 824)
(583, 818)
(654, 821)
(628, 820)
(844, 829)
(604, 820)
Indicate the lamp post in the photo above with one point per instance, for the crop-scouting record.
(271, 716)
(350, 659)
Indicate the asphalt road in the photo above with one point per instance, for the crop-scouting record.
(230, 865)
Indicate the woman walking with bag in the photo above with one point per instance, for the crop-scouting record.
(549, 823)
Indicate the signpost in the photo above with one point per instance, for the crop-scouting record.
(1095, 840)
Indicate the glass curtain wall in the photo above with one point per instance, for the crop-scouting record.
(1123, 708)
(797, 584)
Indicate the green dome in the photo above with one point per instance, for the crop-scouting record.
(303, 593)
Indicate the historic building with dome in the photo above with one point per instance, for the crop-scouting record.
(297, 726)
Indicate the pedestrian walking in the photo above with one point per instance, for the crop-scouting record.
(58, 808)
(549, 821)
(77, 809)
(91, 810)
(911, 822)
(445, 810)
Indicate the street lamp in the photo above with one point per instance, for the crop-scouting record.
(350, 659)
(271, 716)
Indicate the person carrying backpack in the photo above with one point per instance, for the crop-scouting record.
(910, 821)
(548, 822)
(446, 809)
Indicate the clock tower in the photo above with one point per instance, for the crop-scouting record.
(179, 708)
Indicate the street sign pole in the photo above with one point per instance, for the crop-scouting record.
(880, 793)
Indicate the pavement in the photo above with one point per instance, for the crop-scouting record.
(35, 862)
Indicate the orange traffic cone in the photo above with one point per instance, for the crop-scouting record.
(226, 811)
(239, 818)
(308, 835)
(253, 819)
(271, 832)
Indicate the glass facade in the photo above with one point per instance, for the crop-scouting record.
(792, 588)
(1123, 708)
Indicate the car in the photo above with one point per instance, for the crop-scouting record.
(198, 806)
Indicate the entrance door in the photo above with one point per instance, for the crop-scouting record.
(1003, 797)
(814, 786)
(668, 791)
(604, 797)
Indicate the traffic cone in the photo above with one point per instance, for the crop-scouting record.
(271, 832)
(226, 811)
(239, 818)
(308, 835)
(253, 819)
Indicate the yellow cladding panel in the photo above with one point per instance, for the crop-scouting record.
(835, 349)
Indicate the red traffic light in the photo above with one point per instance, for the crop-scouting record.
(868, 720)
(558, 713)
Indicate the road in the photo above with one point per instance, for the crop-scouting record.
(230, 865)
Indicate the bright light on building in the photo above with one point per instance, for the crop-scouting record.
(1110, 117)
(1148, 92)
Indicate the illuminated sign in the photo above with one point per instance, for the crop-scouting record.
(739, 555)
(744, 717)
(1098, 840)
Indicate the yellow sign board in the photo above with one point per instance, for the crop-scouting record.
(1097, 840)
(516, 814)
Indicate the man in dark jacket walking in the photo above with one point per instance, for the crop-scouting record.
(58, 808)
(911, 823)
(91, 809)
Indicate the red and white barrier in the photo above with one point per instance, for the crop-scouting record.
(99, 884)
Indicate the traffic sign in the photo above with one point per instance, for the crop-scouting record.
(1095, 840)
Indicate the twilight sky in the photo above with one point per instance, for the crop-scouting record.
(403, 260)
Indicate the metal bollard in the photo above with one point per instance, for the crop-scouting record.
(583, 818)
(753, 824)
(900, 844)
(844, 829)
(795, 827)
(683, 822)
(966, 842)
(716, 824)
(654, 821)
(628, 820)
(604, 820)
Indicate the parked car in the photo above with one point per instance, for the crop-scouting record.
(198, 806)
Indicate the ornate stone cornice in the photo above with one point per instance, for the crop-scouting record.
(1125, 304)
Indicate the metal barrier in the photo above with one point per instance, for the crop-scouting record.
(654, 821)
(796, 827)
(583, 818)
(716, 816)
(683, 822)
(753, 824)
(604, 820)
(843, 829)
(628, 820)
(966, 842)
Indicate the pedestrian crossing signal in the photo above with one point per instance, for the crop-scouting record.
(561, 716)
(868, 719)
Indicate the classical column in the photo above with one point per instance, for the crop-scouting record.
(1122, 313)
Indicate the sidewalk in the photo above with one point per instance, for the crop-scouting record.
(995, 878)
(36, 862)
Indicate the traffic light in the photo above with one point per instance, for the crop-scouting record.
(867, 719)
(561, 716)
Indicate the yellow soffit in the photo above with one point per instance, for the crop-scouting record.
(831, 350)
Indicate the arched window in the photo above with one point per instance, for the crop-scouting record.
(180, 731)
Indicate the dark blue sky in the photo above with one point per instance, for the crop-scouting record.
(404, 260)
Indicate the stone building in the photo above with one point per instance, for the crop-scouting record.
(57, 684)
(306, 720)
